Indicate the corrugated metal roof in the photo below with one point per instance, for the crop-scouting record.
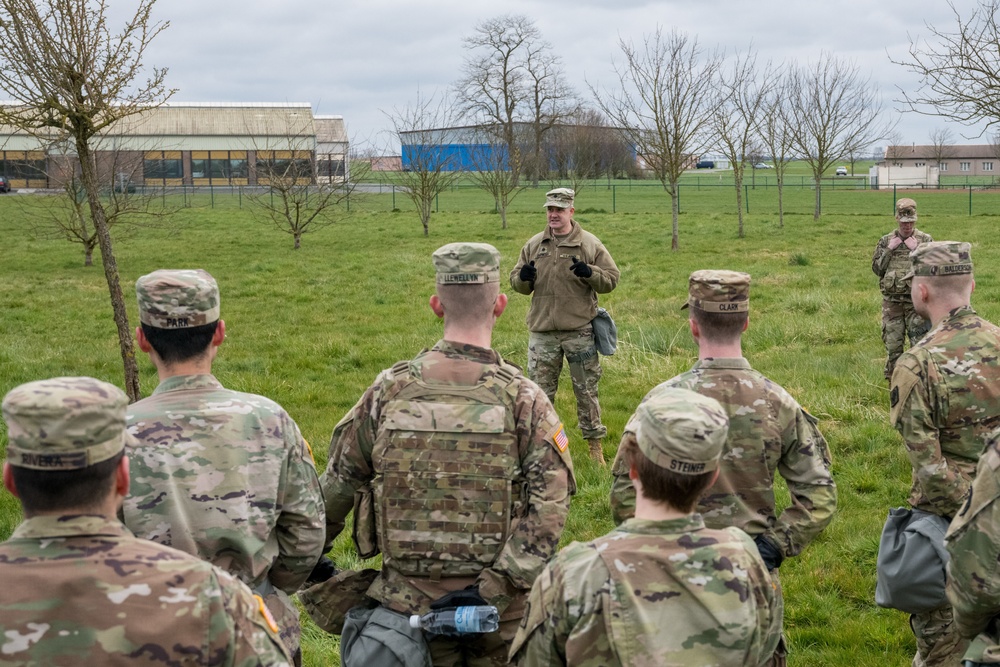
(955, 152)
(285, 120)
(330, 129)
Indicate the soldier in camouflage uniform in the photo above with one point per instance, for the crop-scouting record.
(78, 587)
(217, 473)
(466, 464)
(891, 263)
(769, 433)
(973, 542)
(564, 268)
(662, 588)
(945, 400)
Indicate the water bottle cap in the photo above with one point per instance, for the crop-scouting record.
(415, 621)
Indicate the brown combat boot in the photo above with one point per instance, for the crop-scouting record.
(596, 452)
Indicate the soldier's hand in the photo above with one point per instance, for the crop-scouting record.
(911, 242)
(894, 242)
(769, 553)
(466, 597)
(325, 569)
(528, 272)
(580, 268)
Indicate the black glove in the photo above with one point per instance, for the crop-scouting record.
(768, 552)
(528, 272)
(466, 597)
(580, 268)
(324, 570)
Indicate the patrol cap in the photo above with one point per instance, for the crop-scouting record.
(906, 210)
(941, 258)
(717, 291)
(177, 298)
(680, 430)
(65, 423)
(466, 264)
(560, 198)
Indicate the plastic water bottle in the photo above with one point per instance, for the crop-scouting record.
(458, 621)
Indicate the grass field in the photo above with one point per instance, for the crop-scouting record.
(311, 329)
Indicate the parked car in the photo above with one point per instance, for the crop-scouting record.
(763, 165)
(4, 184)
(705, 164)
(841, 171)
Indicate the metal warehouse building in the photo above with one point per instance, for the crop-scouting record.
(190, 144)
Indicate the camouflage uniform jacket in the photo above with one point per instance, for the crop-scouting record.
(546, 476)
(653, 594)
(82, 590)
(227, 476)
(892, 265)
(973, 542)
(945, 400)
(768, 432)
(562, 301)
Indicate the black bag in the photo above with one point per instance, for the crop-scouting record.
(910, 570)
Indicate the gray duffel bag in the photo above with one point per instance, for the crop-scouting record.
(383, 638)
(910, 569)
(605, 333)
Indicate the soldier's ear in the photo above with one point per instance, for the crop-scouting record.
(8, 480)
(746, 323)
(437, 306)
(220, 333)
(142, 341)
(695, 330)
(499, 305)
(122, 477)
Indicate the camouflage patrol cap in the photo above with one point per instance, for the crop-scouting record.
(177, 298)
(65, 423)
(715, 291)
(680, 430)
(560, 198)
(941, 258)
(467, 264)
(906, 210)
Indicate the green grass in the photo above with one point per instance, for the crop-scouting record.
(312, 328)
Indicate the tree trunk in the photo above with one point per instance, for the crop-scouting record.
(781, 204)
(88, 255)
(503, 218)
(675, 211)
(88, 174)
(738, 180)
(819, 196)
(298, 240)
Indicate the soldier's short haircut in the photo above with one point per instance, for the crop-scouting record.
(468, 304)
(681, 492)
(950, 287)
(64, 490)
(719, 327)
(179, 345)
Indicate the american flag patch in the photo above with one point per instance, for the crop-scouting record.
(559, 437)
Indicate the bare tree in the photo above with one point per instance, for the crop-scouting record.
(775, 131)
(69, 216)
(942, 145)
(296, 193)
(959, 69)
(894, 150)
(427, 169)
(833, 111)
(510, 78)
(492, 170)
(744, 90)
(664, 104)
(70, 75)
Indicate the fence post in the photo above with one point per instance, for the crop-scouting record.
(894, 199)
(211, 194)
(393, 197)
(970, 200)
(746, 196)
(678, 197)
(437, 203)
(614, 199)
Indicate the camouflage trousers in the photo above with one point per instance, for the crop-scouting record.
(285, 613)
(938, 641)
(545, 360)
(899, 321)
(780, 656)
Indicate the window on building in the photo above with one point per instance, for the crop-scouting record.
(987, 166)
(292, 167)
(943, 166)
(920, 164)
(329, 167)
(163, 165)
(963, 166)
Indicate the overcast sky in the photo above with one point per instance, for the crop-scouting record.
(359, 57)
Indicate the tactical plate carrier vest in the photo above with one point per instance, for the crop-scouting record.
(446, 461)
